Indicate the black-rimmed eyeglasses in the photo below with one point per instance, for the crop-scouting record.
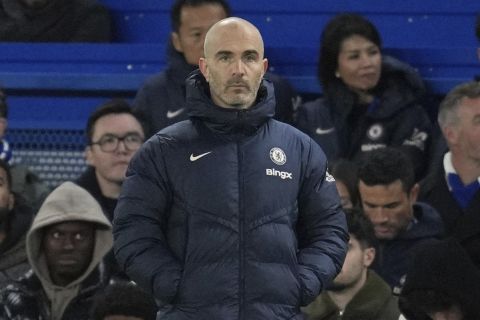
(109, 142)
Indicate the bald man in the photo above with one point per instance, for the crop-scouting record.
(230, 214)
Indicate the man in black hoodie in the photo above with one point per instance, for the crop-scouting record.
(161, 100)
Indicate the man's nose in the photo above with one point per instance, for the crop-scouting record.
(378, 215)
(121, 147)
(238, 67)
(68, 243)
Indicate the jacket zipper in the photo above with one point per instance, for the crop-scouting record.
(241, 227)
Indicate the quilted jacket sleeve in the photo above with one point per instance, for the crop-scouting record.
(141, 215)
(322, 228)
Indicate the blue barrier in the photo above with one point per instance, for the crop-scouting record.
(92, 69)
(410, 23)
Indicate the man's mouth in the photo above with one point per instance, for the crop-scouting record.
(67, 262)
(382, 230)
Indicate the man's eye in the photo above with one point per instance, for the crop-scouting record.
(391, 206)
(56, 235)
(223, 58)
(133, 138)
(107, 140)
(79, 236)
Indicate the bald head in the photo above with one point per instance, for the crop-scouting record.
(235, 29)
(233, 64)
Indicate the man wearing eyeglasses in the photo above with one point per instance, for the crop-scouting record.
(114, 133)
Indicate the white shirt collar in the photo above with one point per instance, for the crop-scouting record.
(448, 167)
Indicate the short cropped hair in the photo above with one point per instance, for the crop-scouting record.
(361, 227)
(385, 166)
(115, 106)
(447, 112)
(126, 299)
(345, 171)
(337, 30)
(178, 5)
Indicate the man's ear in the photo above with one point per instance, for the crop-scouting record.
(368, 256)
(176, 41)
(202, 65)
(265, 65)
(414, 193)
(88, 155)
(450, 134)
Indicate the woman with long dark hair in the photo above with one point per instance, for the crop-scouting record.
(369, 101)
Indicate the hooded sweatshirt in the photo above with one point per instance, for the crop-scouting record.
(68, 202)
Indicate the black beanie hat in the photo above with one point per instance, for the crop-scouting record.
(445, 267)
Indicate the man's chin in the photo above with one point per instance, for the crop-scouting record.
(384, 234)
(116, 180)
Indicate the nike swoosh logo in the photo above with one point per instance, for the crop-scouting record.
(321, 131)
(173, 114)
(195, 158)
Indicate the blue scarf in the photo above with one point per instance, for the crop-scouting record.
(463, 194)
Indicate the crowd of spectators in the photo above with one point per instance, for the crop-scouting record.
(413, 221)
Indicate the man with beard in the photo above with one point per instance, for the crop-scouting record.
(161, 100)
(15, 219)
(388, 192)
(54, 21)
(357, 292)
(230, 214)
(65, 245)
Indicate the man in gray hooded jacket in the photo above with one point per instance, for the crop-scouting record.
(67, 240)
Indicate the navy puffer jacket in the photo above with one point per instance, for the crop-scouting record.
(230, 215)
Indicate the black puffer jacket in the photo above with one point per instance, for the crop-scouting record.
(394, 119)
(230, 215)
(26, 299)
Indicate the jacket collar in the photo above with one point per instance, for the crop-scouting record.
(228, 121)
